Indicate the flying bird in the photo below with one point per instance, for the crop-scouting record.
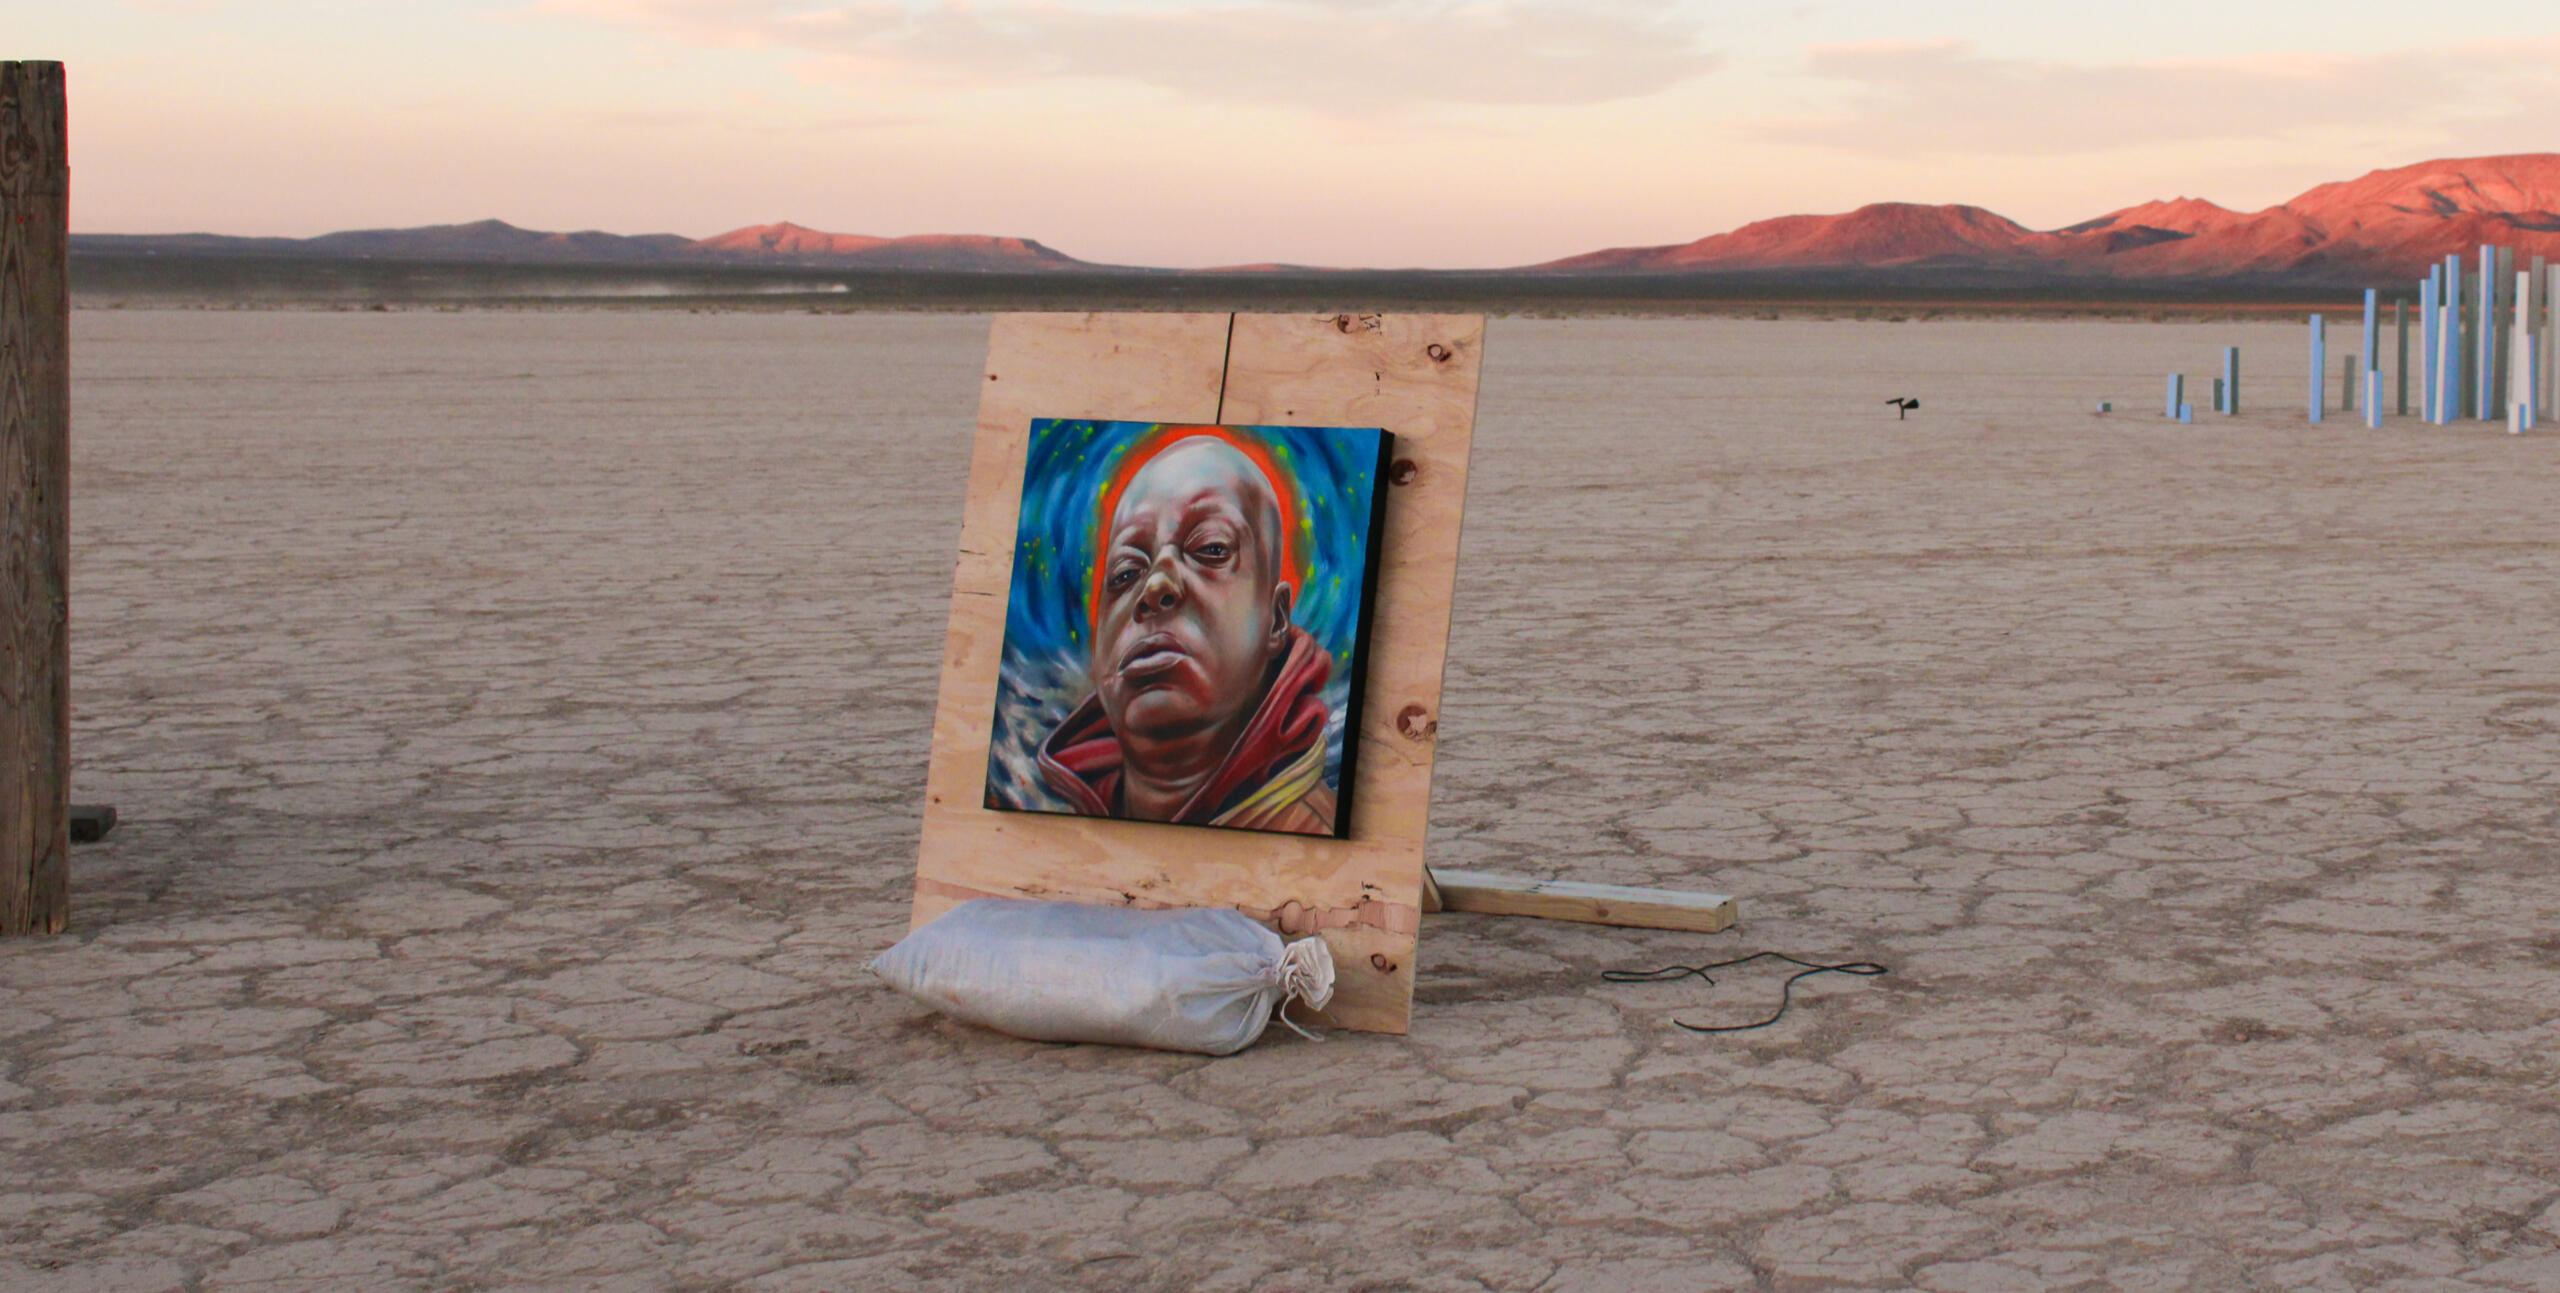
(1903, 404)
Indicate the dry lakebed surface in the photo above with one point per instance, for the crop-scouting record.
(519, 725)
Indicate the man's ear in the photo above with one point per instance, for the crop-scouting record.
(1283, 600)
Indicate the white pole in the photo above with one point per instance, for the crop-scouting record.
(2520, 358)
(2449, 337)
(2319, 365)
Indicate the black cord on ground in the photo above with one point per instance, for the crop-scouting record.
(1786, 993)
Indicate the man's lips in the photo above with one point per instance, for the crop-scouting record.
(1151, 655)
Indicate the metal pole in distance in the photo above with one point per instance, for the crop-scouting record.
(2231, 381)
(2519, 356)
(2484, 342)
(2177, 392)
(2534, 310)
(2444, 348)
(2348, 380)
(2427, 347)
(2431, 351)
(2533, 357)
(35, 501)
(2529, 308)
(2373, 398)
(2551, 338)
(2501, 358)
(2547, 280)
(2319, 363)
(2372, 333)
(2542, 309)
(2456, 393)
(2400, 379)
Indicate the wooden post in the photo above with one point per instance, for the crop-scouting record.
(35, 504)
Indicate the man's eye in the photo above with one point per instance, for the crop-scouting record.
(1211, 552)
(1122, 578)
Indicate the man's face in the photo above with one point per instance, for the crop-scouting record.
(1192, 609)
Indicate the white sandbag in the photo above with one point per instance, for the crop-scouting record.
(1204, 979)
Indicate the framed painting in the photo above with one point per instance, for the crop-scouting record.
(1186, 637)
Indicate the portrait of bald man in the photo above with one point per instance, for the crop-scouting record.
(1207, 701)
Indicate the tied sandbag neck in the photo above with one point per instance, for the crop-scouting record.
(1306, 974)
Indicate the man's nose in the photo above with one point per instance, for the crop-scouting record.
(1161, 593)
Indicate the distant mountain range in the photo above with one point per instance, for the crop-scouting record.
(2383, 229)
(487, 242)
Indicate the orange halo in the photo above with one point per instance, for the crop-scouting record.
(1161, 439)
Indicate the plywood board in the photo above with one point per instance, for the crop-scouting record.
(1414, 375)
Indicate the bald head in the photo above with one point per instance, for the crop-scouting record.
(1204, 472)
(1194, 603)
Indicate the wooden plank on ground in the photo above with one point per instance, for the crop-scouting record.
(35, 503)
(1598, 904)
(1414, 375)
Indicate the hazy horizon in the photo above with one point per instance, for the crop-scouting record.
(1405, 133)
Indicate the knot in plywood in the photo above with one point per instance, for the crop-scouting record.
(1415, 723)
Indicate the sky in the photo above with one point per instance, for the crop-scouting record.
(1441, 133)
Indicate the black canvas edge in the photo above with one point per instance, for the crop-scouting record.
(1374, 543)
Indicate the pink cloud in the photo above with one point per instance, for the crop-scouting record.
(1332, 56)
(1944, 99)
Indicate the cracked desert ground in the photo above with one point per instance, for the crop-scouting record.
(519, 722)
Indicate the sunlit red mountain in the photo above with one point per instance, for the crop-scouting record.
(2382, 229)
(2385, 227)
